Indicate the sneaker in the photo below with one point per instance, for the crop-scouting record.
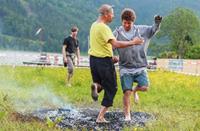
(94, 93)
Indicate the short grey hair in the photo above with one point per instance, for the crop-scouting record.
(105, 8)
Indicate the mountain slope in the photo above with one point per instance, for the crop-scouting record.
(22, 18)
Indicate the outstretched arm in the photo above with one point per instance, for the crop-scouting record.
(152, 30)
(157, 21)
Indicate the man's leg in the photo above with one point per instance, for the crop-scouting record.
(143, 85)
(95, 86)
(136, 89)
(103, 73)
(109, 94)
(95, 89)
(69, 76)
(127, 103)
(100, 118)
(126, 83)
(140, 88)
(109, 84)
(70, 70)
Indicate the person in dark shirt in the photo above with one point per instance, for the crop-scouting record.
(70, 51)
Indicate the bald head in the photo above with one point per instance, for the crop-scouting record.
(105, 8)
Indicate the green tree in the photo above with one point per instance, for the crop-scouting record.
(156, 49)
(181, 27)
(22, 18)
(168, 54)
(193, 52)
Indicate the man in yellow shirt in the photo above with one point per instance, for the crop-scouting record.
(102, 67)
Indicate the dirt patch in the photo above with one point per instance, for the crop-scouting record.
(15, 116)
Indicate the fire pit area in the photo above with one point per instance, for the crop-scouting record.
(85, 119)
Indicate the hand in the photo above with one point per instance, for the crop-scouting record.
(65, 62)
(157, 19)
(137, 41)
(115, 59)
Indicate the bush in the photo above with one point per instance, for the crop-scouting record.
(168, 54)
(193, 52)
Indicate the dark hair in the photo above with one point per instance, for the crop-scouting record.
(128, 14)
(74, 29)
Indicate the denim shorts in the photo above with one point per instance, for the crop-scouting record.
(127, 80)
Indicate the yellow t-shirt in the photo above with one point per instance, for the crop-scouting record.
(100, 34)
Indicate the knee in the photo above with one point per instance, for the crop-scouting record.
(127, 93)
(145, 88)
(70, 70)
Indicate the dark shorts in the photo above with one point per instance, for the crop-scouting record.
(103, 72)
(140, 78)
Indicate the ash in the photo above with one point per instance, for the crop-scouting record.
(85, 119)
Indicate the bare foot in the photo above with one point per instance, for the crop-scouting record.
(94, 93)
(99, 88)
(127, 119)
(136, 98)
(103, 120)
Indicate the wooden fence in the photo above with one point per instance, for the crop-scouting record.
(180, 65)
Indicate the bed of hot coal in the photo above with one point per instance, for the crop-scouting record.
(85, 119)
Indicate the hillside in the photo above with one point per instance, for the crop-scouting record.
(22, 18)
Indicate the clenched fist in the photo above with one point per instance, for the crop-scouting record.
(157, 19)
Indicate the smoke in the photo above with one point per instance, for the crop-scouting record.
(29, 99)
(38, 98)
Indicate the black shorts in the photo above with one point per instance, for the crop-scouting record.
(103, 72)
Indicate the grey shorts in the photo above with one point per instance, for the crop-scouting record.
(70, 63)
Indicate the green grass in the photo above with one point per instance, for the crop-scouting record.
(173, 98)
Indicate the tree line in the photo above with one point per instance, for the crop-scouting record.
(20, 19)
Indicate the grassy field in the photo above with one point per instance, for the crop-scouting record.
(173, 98)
